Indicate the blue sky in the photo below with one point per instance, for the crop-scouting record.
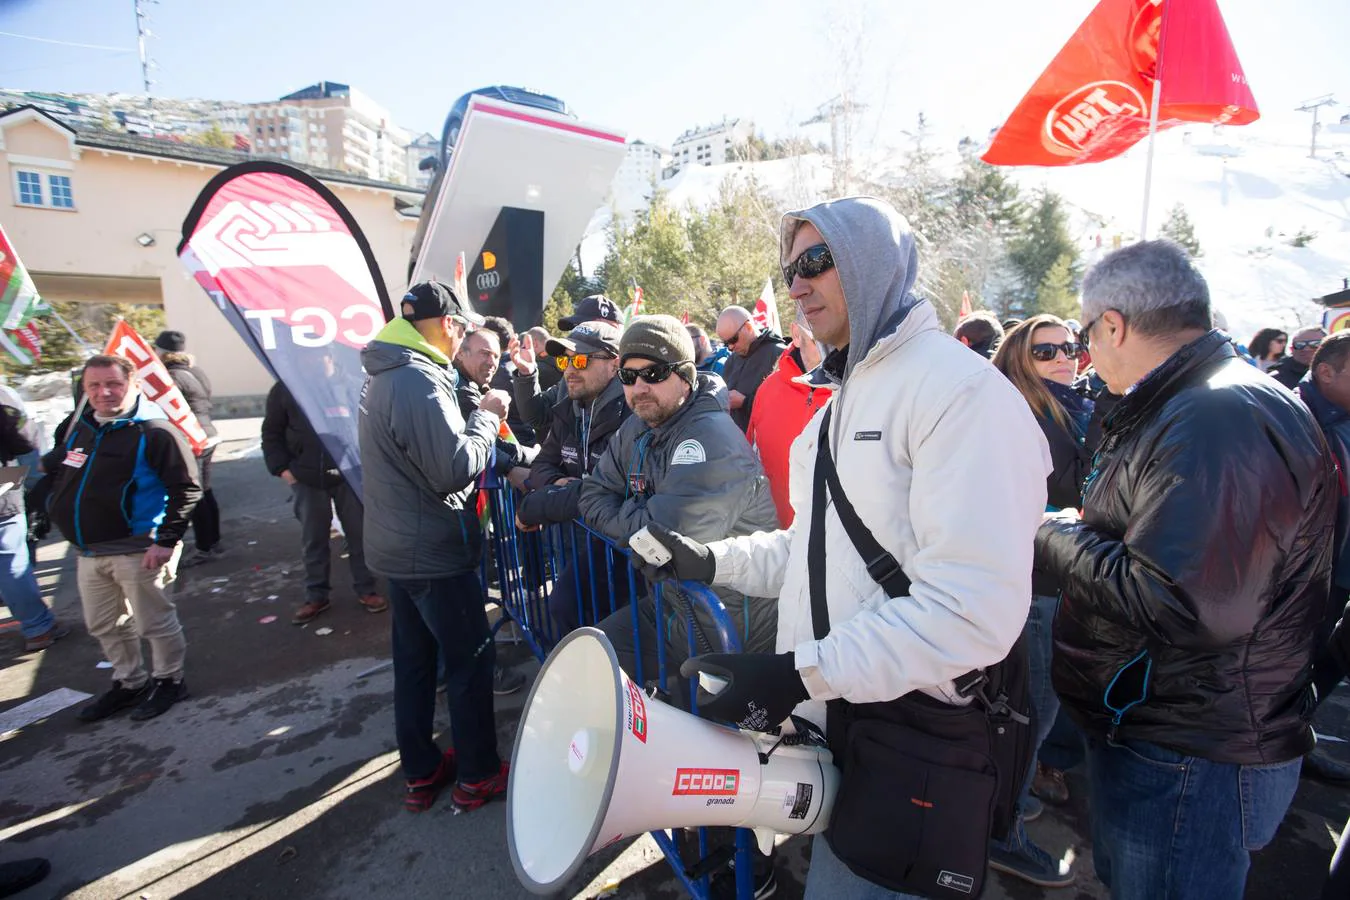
(650, 71)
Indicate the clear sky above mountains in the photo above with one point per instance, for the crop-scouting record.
(652, 71)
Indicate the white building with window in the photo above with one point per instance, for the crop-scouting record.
(712, 145)
(422, 146)
(96, 215)
(640, 171)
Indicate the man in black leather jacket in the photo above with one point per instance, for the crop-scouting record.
(1194, 587)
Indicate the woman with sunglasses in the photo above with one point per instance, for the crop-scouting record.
(1040, 357)
(1267, 348)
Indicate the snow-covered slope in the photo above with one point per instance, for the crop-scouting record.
(1246, 196)
(1246, 191)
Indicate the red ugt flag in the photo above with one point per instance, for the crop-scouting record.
(1092, 101)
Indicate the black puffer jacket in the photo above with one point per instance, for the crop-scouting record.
(1064, 487)
(508, 455)
(290, 443)
(574, 443)
(1197, 582)
(194, 384)
(747, 373)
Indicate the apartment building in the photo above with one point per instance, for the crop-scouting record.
(332, 125)
(710, 145)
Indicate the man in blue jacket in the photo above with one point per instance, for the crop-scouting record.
(1326, 391)
(125, 485)
(421, 459)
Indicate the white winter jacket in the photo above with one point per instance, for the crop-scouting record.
(945, 464)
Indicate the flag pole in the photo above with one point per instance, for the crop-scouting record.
(1153, 122)
(1148, 166)
(84, 345)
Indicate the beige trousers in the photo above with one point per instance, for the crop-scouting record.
(124, 603)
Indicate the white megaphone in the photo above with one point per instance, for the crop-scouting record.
(596, 761)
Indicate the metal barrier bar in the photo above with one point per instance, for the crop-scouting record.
(528, 606)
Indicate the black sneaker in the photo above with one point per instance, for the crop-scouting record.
(165, 693)
(112, 701)
(505, 681)
(765, 882)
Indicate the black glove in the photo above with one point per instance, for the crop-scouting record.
(763, 688)
(689, 560)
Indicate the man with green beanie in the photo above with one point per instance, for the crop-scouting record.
(681, 462)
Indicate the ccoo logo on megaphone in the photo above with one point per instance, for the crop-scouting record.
(596, 761)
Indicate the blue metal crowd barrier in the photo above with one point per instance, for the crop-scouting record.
(529, 566)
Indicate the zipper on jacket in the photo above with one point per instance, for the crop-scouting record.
(84, 478)
(1119, 714)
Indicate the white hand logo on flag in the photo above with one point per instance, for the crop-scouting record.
(279, 235)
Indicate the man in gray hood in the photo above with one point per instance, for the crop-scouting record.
(918, 430)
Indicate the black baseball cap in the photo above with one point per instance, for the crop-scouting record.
(432, 300)
(596, 306)
(588, 337)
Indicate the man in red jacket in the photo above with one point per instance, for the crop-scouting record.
(783, 406)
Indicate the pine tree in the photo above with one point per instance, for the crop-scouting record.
(1056, 295)
(1038, 246)
(1178, 228)
(214, 137)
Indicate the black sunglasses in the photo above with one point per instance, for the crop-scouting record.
(1047, 352)
(1085, 336)
(652, 374)
(1304, 345)
(810, 263)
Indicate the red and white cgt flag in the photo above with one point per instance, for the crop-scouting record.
(156, 382)
(766, 309)
(1093, 101)
(288, 267)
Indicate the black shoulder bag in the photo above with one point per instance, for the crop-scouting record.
(925, 784)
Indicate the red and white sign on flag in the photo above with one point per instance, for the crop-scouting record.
(156, 383)
(1093, 101)
(766, 309)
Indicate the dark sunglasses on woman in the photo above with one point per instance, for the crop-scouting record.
(810, 263)
(1047, 352)
(652, 374)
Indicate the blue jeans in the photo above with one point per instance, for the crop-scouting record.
(18, 584)
(443, 617)
(829, 878)
(1181, 827)
(573, 603)
(1044, 701)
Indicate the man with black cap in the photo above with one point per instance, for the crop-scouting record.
(583, 422)
(681, 462)
(421, 459)
(171, 347)
(533, 405)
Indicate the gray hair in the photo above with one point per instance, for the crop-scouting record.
(1153, 285)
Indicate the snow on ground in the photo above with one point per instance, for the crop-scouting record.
(1247, 192)
(1247, 195)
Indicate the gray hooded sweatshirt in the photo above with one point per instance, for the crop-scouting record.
(877, 265)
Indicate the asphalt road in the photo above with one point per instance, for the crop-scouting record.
(278, 777)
